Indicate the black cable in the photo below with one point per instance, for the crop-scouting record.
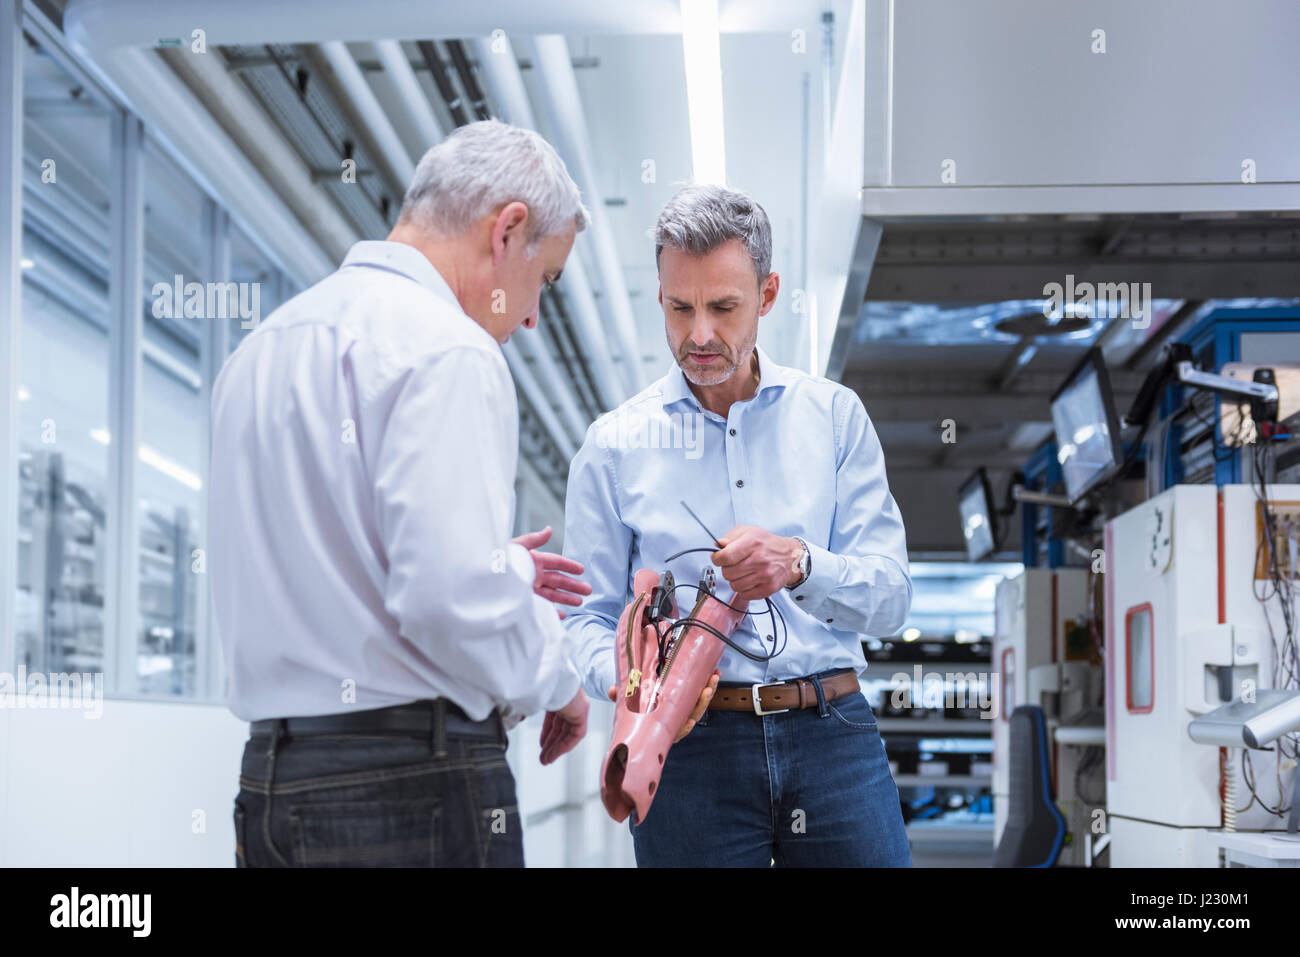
(771, 610)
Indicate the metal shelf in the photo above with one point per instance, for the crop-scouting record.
(939, 726)
(943, 780)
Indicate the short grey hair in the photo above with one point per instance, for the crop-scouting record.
(485, 165)
(699, 219)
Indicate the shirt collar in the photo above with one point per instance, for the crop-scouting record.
(770, 376)
(403, 259)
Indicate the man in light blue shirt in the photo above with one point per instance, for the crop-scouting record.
(786, 765)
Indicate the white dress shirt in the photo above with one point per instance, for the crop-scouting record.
(364, 444)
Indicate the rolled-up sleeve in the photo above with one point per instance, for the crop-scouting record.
(458, 588)
(596, 536)
(859, 580)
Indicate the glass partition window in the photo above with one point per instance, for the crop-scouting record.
(63, 387)
(169, 461)
(261, 286)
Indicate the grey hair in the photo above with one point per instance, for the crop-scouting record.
(699, 219)
(481, 167)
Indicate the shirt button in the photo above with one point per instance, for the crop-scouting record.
(740, 483)
(733, 431)
(798, 597)
(829, 620)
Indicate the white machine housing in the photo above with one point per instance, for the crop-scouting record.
(1180, 610)
(1035, 612)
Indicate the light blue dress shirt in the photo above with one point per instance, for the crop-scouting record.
(800, 458)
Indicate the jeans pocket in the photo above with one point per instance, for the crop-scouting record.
(366, 834)
(853, 712)
(240, 859)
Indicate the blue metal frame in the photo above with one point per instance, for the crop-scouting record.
(1214, 341)
(1042, 473)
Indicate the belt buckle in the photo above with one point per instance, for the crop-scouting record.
(758, 705)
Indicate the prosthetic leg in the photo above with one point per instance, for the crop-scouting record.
(652, 701)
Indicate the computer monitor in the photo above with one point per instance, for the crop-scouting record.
(1087, 429)
(975, 499)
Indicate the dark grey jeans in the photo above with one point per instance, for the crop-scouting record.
(376, 799)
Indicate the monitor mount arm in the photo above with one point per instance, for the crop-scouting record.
(1176, 365)
(1262, 394)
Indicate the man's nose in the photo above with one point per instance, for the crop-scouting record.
(702, 329)
(530, 321)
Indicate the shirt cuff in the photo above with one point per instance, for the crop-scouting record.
(811, 596)
(567, 684)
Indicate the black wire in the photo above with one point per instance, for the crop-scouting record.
(771, 610)
(687, 551)
(1190, 407)
(1261, 462)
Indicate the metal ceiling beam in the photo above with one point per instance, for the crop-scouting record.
(500, 70)
(896, 462)
(861, 269)
(1190, 310)
(140, 23)
(413, 101)
(967, 408)
(894, 281)
(1021, 355)
(365, 114)
(442, 80)
(538, 402)
(555, 69)
(529, 344)
(236, 111)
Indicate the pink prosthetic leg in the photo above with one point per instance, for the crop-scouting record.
(651, 705)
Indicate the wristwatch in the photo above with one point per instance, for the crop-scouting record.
(803, 565)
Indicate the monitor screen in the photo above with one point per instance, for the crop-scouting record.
(1087, 430)
(976, 502)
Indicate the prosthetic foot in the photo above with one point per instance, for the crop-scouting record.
(652, 700)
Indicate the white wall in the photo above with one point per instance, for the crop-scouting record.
(122, 790)
(565, 825)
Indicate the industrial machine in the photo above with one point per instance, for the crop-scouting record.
(1199, 612)
(1046, 653)
(1197, 604)
(1200, 603)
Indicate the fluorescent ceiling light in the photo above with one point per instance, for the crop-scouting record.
(27, 263)
(704, 90)
(169, 468)
(156, 459)
(23, 394)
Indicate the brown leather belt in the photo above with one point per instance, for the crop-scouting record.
(783, 695)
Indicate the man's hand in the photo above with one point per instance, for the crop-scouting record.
(563, 729)
(551, 582)
(700, 706)
(756, 563)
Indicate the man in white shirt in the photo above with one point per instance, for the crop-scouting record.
(380, 629)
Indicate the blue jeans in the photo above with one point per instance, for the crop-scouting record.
(807, 788)
(379, 799)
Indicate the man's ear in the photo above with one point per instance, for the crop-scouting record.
(767, 293)
(508, 227)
